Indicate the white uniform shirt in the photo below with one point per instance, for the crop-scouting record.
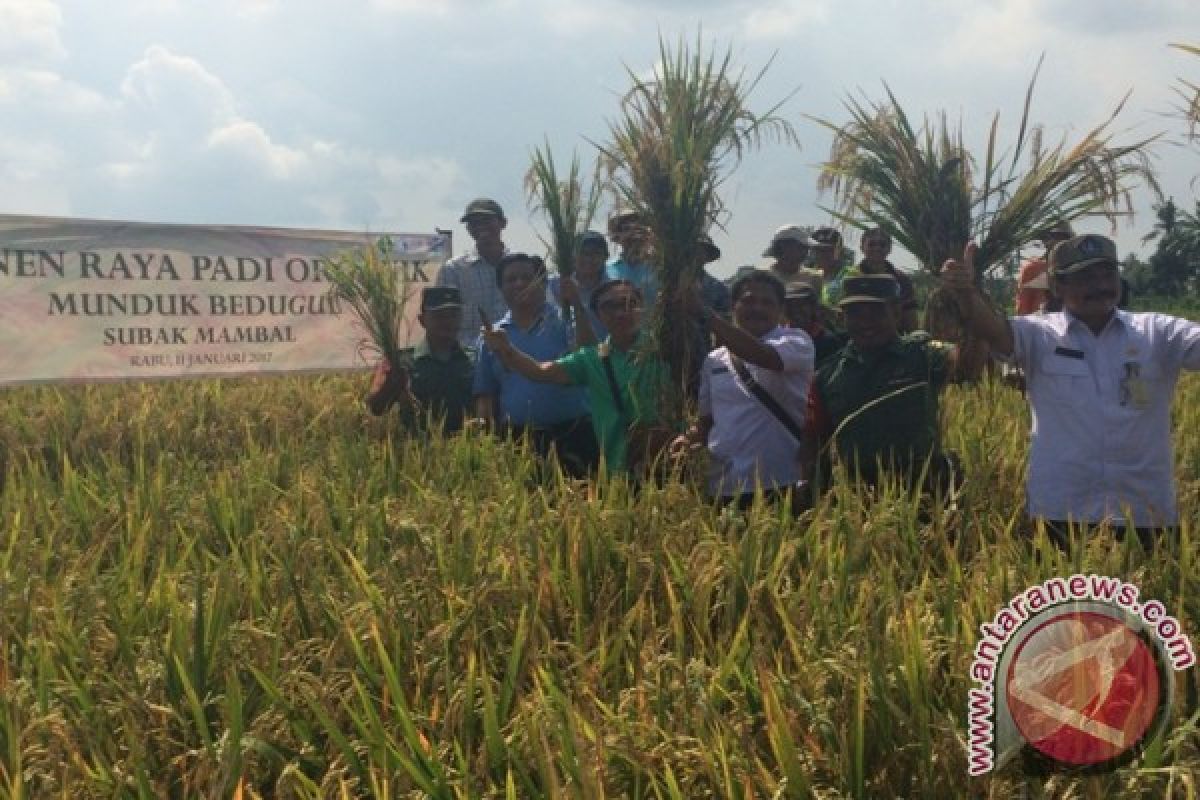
(1101, 437)
(476, 279)
(748, 445)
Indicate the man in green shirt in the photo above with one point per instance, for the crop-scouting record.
(625, 384)
(439, 381)
(876, 400)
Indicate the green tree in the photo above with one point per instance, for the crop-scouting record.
(1174, 267)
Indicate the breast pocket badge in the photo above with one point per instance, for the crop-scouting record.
(1134, 390)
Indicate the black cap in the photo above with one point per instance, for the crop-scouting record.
(869, 289)
(435, 298)
(482, 205)
(825, 237)
(592, 239)
(711, 251)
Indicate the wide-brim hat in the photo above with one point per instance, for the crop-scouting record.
(787, 233)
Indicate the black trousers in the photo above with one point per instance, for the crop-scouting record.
(573, 441)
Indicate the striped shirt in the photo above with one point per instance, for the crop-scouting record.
(476, 279)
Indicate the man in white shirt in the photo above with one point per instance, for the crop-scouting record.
(753, 392)
(474, 272)
(1100, 382)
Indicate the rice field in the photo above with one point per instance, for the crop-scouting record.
(251, 589)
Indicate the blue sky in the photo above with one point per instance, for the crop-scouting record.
(392, 114)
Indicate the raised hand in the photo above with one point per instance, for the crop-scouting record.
(959, 276)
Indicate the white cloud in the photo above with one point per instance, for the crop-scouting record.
(784, 20)
(30, 31)
(249, 141)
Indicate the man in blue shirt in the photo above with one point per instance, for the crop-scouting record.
(555, 417)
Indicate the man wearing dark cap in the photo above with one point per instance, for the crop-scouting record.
(877, 398)
(803, 312)
(438, 384)
(474, 272)
(1100, 382)
(1033, 282)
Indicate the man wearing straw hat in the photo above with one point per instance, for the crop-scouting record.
(1100, 382)
(789, 249)
(474, 272)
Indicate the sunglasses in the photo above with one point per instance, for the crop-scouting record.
(613, 306)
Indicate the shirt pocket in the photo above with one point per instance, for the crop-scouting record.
(1064, 380)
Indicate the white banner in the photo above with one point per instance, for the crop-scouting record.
(86, 300)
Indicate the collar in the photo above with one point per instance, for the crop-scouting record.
(892, 348)
(548, 314)
(422, 350)
(1066, 320)
(888, 267)
(473, 256)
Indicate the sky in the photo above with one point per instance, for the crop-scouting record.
(390, 115)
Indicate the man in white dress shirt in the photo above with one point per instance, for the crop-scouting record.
(1100, 382)
(753, 394)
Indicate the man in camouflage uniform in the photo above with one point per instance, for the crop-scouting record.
(875, 403)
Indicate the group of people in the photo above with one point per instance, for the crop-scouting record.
(805, 364)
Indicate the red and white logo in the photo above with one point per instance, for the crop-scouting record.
(1084, 689)
(1074, 673)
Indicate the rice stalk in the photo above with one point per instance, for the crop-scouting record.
(367, 280)
(568, 204)
(928, 191)
(679, 135)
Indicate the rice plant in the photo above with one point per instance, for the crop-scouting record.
(932, 195)
(1188, 92)
(680, 134)
(367, 280)
(568, 205)
(250, 588)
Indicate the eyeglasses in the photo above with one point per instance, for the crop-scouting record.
(614, 306)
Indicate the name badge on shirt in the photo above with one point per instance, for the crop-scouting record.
(1068, 352)
(1133, 388)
